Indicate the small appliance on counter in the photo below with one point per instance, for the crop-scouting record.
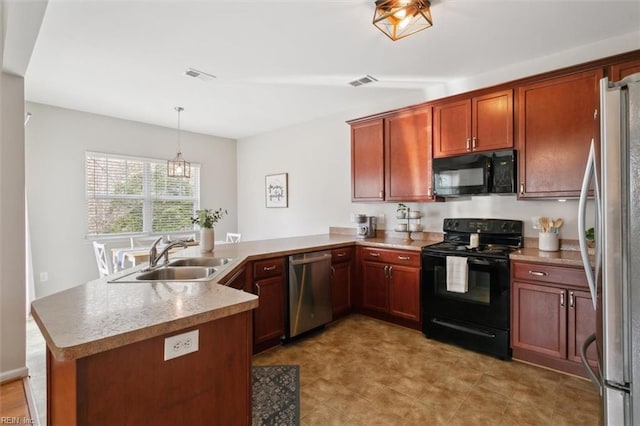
(366, 226)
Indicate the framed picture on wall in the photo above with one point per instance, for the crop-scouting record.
(276, 190)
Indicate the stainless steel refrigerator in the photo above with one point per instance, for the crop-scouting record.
(614, 278)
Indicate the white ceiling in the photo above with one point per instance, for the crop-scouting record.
(280, 62)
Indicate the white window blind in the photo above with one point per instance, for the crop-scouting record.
(128, 195)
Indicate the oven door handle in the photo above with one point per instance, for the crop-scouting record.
(476, 261)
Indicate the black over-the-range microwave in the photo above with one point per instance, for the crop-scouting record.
(477, 173)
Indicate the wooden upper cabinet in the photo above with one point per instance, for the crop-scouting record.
(492, 121)
(557, 119)
(391, 157)
(452, 128)
(481, 123)
(407, 145)
(367, 161)
(619, 71)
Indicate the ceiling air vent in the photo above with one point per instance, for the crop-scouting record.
(364, 80)
(192, 72)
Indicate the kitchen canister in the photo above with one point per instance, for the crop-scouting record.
(548, 241)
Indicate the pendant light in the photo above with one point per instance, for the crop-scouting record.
(401, 18)
(178, 167)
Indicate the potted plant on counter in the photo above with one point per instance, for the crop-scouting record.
(401, 211)
(206, 219)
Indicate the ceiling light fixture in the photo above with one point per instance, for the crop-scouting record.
(178, 167)
(401, 18)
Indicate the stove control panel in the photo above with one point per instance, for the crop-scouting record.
(483, 226)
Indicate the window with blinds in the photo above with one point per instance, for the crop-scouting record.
(128, 195)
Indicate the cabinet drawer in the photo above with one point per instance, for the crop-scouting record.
(341, 254)
(397, 257)
(537, 272)
(268, 267)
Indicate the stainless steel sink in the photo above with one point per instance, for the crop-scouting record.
(201, 261)
(181, 273)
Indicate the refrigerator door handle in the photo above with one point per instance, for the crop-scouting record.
(595, 378)
(582, 212)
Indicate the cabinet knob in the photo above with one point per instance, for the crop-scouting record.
(538, 274)
(562, 299)
(430, 192)
(404, 257)
(341, 254)
(521, 188)
(381, 194)
(374, 254)
(571, 299)
(269, 268)
(258, 289)
(474, 143)
(468, 144)
(390, 271)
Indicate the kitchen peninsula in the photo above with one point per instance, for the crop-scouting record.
(105, 344)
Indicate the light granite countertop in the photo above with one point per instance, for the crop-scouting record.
(99, 316)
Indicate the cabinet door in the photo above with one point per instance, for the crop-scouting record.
(367, 161)
(539, 320)
(404, 292)
(492, 121)
(452, 128)
(341, 288)
(619, 71)
(582, 323)
(268, 317)
(557, 119)
(375, 291)
(408, 137)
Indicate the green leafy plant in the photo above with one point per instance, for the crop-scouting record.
(207, 218)
(590, 234)
(402, 208)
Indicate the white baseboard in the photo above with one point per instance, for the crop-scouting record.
(18, 373)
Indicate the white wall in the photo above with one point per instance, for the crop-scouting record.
(12, 229)
(56, 142)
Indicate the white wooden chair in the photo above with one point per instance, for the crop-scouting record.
(143, 241)
(101, 259)
(233, 237)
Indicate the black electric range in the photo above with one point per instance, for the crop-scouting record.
(475, 314)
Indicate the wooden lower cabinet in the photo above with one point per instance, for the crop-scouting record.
(341, 280)
(134, 385)
(375, 287)
(389, 285)
(404, 292)
(268, 318)
(552, 315)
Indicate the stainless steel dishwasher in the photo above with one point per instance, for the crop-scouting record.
(309, 291)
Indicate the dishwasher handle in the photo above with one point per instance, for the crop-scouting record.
(309, 258)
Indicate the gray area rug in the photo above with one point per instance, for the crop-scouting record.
(276, 395)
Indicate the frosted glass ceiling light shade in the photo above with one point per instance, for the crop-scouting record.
(401, 18)
(178, 166)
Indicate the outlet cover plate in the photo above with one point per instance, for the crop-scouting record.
(181, 344)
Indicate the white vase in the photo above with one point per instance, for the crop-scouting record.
(207, 240)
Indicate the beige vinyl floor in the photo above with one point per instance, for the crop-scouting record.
(361, 371)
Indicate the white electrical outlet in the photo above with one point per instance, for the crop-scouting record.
(180, 344)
